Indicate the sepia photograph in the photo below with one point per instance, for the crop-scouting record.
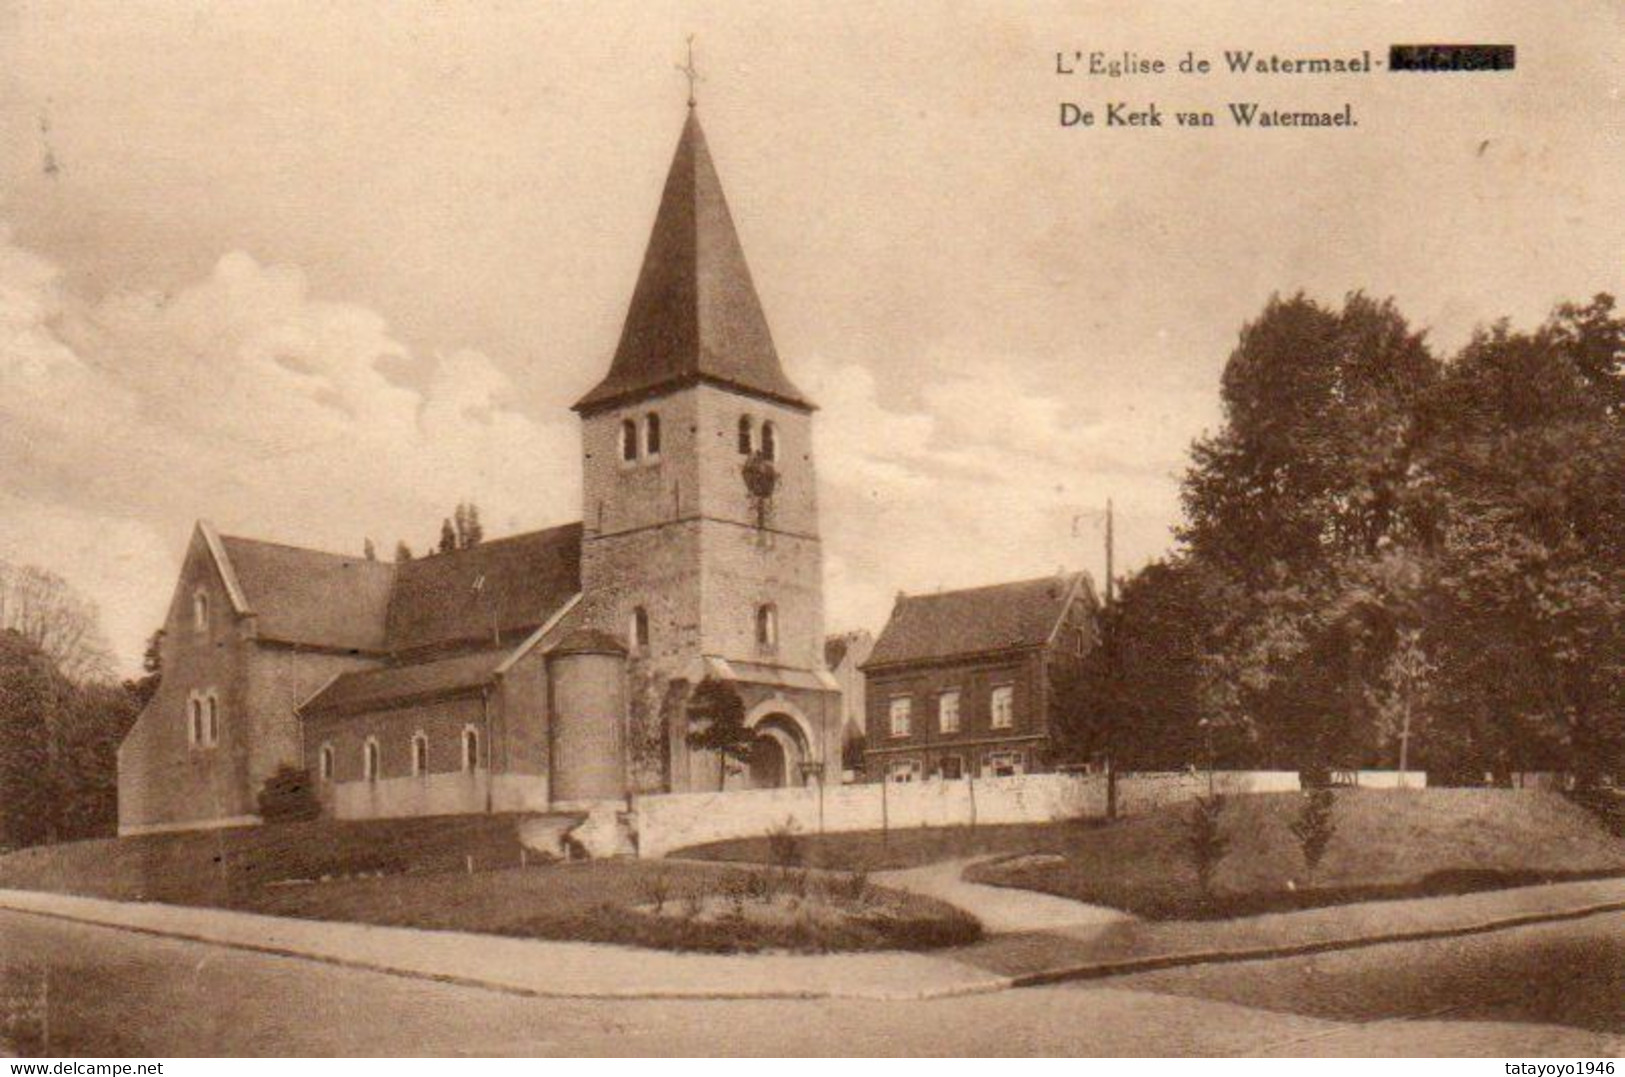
(930, 529)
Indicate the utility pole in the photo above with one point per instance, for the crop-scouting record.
(1109, 584)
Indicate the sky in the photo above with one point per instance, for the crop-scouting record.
(317, 271)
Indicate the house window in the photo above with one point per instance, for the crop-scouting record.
(629, 441)
(767, 626)
(948, 711)
(1003, 706)
(420, 754)
(951, 768)
(901, 712)
(770, 441)
(746, 442)
(369, 759)
(651, 435)
(904, 770)
(471, 748)
(200, 610)
(640, 629)
(326, 763)
(213, 710)
(1005, 764)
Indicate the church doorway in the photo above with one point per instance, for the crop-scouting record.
(777, 753)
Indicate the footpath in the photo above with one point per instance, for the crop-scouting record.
(1033, 939)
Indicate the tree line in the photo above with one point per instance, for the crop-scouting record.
(1386, 555)
(62, 716)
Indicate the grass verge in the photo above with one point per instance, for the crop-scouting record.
(1390, 844)
(416, 873)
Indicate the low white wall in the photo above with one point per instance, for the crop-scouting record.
(675, 820)
(1391, 779)
(672, 821)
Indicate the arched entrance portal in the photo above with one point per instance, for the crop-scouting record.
(777, 753)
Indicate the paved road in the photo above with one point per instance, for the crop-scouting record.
(1543, 991)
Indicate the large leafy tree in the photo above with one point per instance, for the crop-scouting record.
(32, 699)
(1527, 453)
(1136, 697)
(1298, 505)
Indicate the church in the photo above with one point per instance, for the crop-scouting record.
(544, 671)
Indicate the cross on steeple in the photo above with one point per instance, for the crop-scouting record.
(691, 71)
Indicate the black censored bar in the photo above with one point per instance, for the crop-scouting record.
(1452, 57)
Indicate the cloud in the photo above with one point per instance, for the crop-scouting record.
(990, 477)
(244, 399)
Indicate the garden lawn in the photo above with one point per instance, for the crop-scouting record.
(875, 850)
(1388, 844)
(416, 873)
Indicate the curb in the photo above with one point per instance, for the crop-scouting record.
(991, 983)
(1099, 970)
(1094, 970)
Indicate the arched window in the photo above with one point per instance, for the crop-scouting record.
(770, 441)
(420, 754)
(640, 629)
(767, 625)
(200, 610)
(629, 441)
(369, 759)
(746, 442)
(471, 748)
(194, 725)
(214, 718)
(326, 763)
(651, 434)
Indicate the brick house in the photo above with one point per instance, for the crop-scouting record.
(960, 682)
(544, 670)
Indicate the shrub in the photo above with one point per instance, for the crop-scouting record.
(1314, 827)
(759, 886)
(784, 846)
(853, 886)
(289, 797)
(656, 890)
(1207, 843)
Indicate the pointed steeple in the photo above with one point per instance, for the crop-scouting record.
(695, 316)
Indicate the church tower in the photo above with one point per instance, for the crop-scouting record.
(700, 545)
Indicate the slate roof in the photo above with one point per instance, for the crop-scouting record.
(695, 316)
(312, 598)
(980, 620)
(509, 585)
(419, 680)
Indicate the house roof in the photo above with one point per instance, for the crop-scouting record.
(980, 620)
(361, 689)
(695, 316)
(837, 648)
(499, 586)
(309, 597)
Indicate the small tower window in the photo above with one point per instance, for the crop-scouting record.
(629, 441)
(420, 754)
(767, 626)
(747, 443)
(369, 759)
(200, 610)
(194, 726)
(651, 435)
(471, 748)
(326, 763)
(640, 629)
(214, 718)
(770, 441)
